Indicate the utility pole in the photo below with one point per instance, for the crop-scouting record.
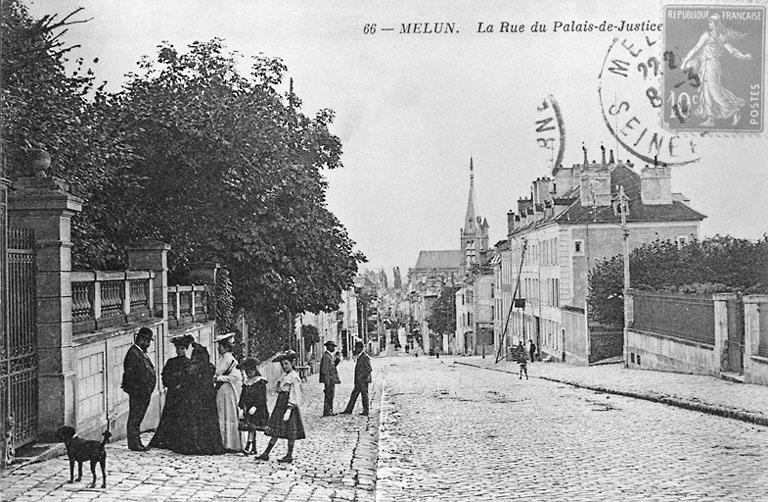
(622, 206)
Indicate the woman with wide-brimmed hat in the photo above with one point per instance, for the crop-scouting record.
(171, 429)
(285, 421)
(229, 381)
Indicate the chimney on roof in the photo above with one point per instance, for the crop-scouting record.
(584, 148)
(565, 179)
(656, 185)
(510, 222)
(595, 187)
(602, 149)
(542, 189)
(611, 161)
(523, 205)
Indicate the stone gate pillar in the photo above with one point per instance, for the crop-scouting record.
(43, 204)
(721, 330)
(153, 255)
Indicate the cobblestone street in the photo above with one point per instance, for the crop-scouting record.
(335, 462)
(452, 432)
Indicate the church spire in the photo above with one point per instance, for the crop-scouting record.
(470, 220)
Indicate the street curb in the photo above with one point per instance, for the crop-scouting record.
(53, 451)
(744, 416)
(361, 455)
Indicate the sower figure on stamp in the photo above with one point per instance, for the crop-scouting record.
(715, 101)
(329, 376)
(138, 382)
(362, 379)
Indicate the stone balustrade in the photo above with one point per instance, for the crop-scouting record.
(102, 299)
(187, 304)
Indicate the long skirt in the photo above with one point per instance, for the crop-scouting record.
(293, 428)
(226, 405)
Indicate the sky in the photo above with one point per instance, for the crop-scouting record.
(411, 109)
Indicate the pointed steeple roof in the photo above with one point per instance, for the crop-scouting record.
(470, 220)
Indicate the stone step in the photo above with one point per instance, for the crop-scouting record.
(732, 377)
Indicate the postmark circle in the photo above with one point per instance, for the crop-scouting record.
(631, 101)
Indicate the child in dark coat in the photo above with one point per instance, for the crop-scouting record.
(253, 402)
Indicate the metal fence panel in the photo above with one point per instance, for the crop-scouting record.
(680, 316)
(19, 357)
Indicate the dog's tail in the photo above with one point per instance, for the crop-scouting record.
(106, 435)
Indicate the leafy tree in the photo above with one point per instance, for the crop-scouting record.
(310, 335)
(235, 170)
(442, 318)
(717, 264)
(42, 106)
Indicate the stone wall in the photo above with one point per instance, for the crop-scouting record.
(605, 343)
(575, 342)
(658, 352)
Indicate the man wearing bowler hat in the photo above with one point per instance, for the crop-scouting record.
(329, 376)
(362, 379)
(138, 382)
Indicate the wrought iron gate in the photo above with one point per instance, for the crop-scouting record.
(18, 354)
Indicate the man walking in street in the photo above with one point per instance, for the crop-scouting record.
(363, 372)
(532, 351)
(329, 376)
(522, 360)
(139, 382)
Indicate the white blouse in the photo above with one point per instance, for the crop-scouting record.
(235, 378)
(291, 383)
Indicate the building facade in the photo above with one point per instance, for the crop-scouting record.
(567, 226)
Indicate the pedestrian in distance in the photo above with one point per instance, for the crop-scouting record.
(522, 360)
(229, 383)
(285, 421)
(139, 381)
(532, 351)
(253, 403)
(363, 372)
(329, 376)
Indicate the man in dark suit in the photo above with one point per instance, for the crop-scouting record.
(329, 376)
(138, 382)
(363, 372)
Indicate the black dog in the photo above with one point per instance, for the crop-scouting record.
(80, 450)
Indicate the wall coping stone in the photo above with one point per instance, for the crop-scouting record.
(683, 341)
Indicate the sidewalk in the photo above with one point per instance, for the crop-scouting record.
(706, 394)
(336, 462)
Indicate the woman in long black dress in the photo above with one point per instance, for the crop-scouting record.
(202, 435)
(170, 431)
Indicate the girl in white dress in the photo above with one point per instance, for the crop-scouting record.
(285, 420)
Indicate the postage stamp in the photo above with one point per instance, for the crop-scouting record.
(714, 62)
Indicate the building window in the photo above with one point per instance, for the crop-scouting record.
(578, 247)
(681, 240)
(493, 292)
